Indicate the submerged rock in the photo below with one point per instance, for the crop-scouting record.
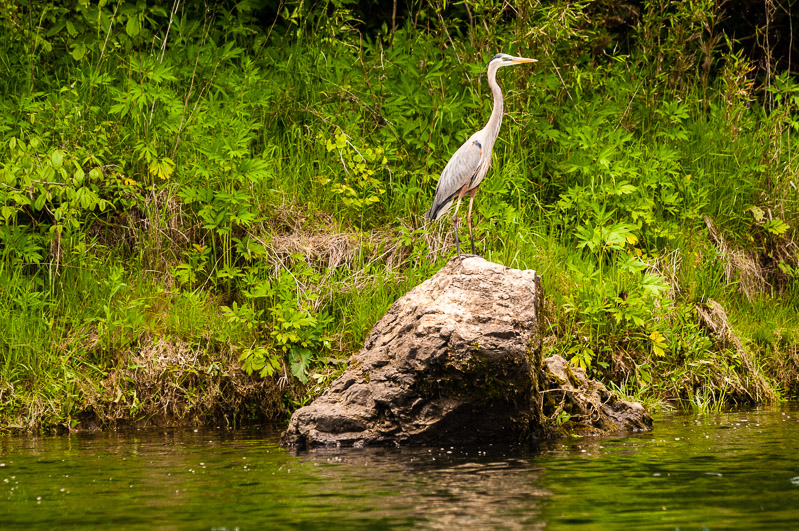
(456, 360)
(589, 407)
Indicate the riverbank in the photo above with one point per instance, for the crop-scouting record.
(206, 212)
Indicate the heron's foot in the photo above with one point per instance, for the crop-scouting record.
(467, 255)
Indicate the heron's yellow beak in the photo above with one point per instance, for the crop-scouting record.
(524, 60)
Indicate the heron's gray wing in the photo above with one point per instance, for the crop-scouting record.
(459, 172)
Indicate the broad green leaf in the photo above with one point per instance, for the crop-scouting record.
(132, 28)
(78, 51)
(39, 203)
(57, 159)
(757, 213)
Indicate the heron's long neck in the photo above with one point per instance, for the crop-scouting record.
(492, 127)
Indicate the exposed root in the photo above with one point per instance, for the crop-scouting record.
(590, 407)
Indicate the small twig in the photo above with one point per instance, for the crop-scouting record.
(161, 59)
(172, 12)
(454, 48)
(188, 95)
(108, 34)
(557, 71)
(394, 22)
(629, 105)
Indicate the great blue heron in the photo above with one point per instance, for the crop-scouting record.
(468, 166)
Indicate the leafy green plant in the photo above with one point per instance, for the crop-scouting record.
(358, 188)
(120, 320)
(290, 331)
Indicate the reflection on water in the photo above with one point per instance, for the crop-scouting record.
(738, 469)
(442, 487)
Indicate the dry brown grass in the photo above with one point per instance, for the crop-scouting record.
(740, 267)
(667, 266)
(783, 363)
(749, 382)
(169, 381)
(712, 316)
(330, 249)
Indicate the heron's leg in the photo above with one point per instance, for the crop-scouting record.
(469, 219)
(455, 220)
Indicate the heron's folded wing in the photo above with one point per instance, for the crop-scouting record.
(459, 172)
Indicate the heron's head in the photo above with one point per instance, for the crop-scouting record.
(503, 59)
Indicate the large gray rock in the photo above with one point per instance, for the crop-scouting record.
(456, 360)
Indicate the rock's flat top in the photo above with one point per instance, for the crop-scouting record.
(451, 361)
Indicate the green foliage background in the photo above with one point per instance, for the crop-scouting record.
(205, 207)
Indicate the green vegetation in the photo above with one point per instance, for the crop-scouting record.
(205, 209)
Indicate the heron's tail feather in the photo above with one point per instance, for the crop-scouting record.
(430, 215)
(439, 208)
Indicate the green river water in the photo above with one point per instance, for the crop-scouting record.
(718, 471)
